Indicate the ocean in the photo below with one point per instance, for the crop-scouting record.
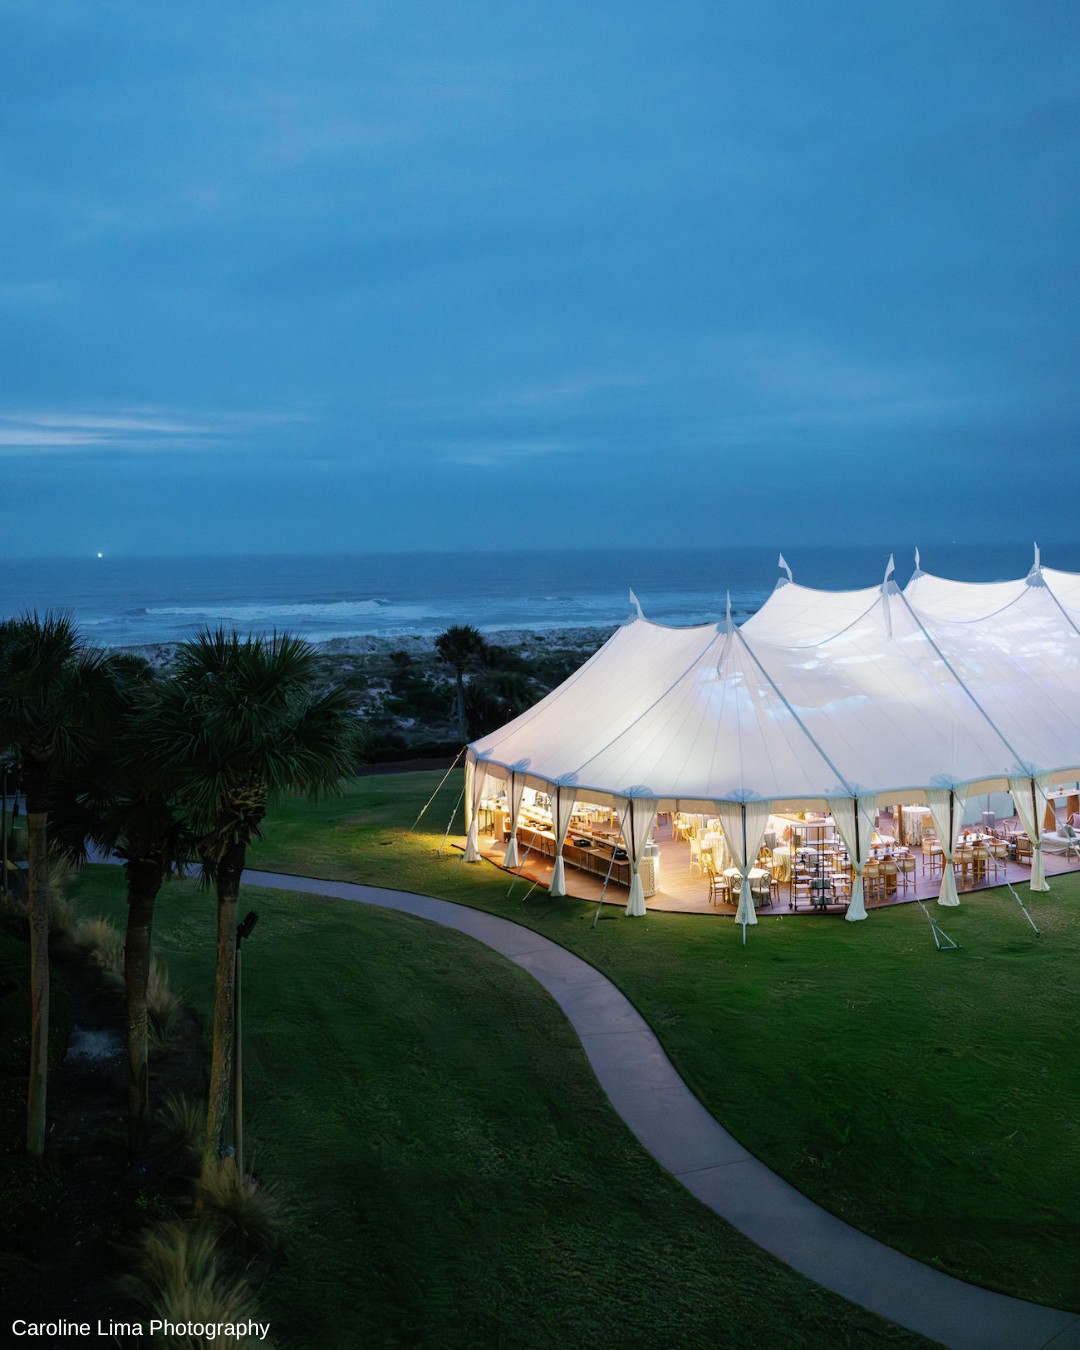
(138, 601)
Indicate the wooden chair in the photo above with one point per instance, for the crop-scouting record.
(1024, 849)
(905, 868)
(695, 854)
(933, 855)
(889, 875)
(981, 860)
(719, 890)
(873, 882)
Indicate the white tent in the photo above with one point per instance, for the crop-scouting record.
(821, 699)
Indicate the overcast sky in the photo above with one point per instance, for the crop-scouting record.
(392, 275)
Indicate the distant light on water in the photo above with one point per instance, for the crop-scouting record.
(99, 554)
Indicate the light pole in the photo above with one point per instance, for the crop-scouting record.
(243, 931)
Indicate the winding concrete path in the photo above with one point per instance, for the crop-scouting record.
(676, 1129)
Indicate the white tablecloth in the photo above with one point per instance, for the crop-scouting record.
(718, 845)
(916, 820)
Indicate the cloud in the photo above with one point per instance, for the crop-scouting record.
(128, 431)
(475, 454)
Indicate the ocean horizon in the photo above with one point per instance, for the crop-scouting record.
(139, 601)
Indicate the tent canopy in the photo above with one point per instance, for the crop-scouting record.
(870, 692)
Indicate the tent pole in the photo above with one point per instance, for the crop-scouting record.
(745, 866)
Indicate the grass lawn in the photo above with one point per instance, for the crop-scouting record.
(456, 1175)
(928, 1098)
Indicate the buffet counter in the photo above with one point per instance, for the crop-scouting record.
(595, 855)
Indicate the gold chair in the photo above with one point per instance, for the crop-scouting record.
(719, 885)
(933, 855)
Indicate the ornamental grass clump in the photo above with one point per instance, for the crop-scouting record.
(182, 1278)
(182, 1124)
(164, 1005)
(101, 942)
(249, 1211)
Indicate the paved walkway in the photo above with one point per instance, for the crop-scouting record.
(676, 1129)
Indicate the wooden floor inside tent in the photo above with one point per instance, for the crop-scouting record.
(686, 892)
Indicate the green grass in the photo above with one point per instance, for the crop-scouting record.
(455, 1175)
(927, 1097)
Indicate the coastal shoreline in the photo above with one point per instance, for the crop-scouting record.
(522, 641)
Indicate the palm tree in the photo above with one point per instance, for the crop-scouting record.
(128, 807)
(55, 699)
(461, 646)
(242, 721)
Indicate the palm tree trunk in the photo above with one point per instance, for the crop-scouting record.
(463, 730)
(144, 881)
(38, 906)
(221, 1064)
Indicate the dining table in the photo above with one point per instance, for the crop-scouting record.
(715, 842)
(755, 874)
(782, 858)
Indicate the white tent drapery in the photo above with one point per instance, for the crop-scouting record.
(636, 817)
(1029, 796)
(854, 819)
(517, 791)
(744, 825)
(947, 810)
(562, 804)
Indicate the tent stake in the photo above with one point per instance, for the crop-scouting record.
(603, 889)
(942, 941)
(517, 871)
(445, 776)
(1024, 908)
(450, 822)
